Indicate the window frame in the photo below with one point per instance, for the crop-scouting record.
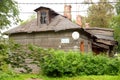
(43, 17)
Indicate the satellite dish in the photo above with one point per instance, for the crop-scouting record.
(75, 35)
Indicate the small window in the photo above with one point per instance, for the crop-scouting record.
(43, 18)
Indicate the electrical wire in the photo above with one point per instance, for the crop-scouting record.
(64, 3)
(57, 12)
(76, 3)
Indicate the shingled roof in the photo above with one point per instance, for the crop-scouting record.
(57, 23)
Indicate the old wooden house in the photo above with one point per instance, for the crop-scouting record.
(52, 30)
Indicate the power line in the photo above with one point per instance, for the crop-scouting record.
(60, 4)
(63, 3)
(56, 11)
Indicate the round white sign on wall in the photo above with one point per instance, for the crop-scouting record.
(75, 35)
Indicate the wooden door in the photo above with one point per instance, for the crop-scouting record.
(82, 46)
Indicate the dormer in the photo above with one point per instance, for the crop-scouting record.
(44, 16)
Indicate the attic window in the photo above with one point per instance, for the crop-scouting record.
(43, 18)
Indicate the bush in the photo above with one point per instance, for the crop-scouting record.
(3, 56)
(93, 65)
(113, 66)
(8, 74)
(59, 63)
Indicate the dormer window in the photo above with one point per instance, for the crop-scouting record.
(43, 17)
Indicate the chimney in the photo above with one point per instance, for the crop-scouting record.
(87, 25)
(67, 11)
(79, 20)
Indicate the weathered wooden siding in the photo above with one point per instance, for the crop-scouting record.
(53, 40)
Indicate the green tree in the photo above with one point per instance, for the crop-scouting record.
(117, 6)
(99, 15)
(115, 24)
(8, 13)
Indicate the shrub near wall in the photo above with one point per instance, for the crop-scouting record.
(60, 63)
(94, 65)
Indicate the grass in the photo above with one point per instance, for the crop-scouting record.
(27, 76)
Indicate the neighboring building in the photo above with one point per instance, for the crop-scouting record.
(52, 30)
(104, 41)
